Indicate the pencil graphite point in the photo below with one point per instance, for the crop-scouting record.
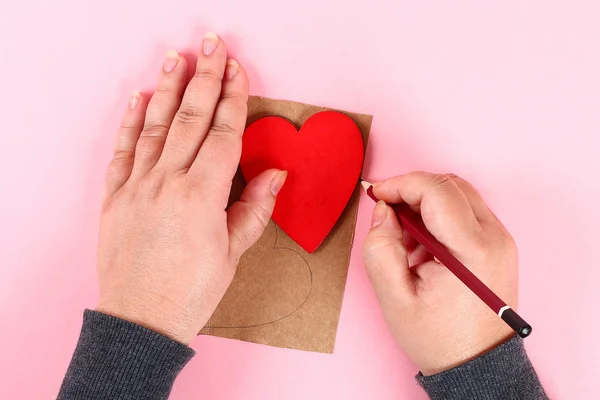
(366, 184)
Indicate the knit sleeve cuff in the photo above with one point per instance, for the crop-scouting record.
(504, 372)
(115, 358)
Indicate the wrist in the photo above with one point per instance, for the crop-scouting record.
(463, 351)
(504, 372)
(167, 320)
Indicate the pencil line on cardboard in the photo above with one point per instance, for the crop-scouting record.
(293, 312)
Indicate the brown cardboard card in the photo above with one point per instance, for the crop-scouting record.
(282, 295)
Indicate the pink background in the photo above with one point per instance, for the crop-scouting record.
(506, 95)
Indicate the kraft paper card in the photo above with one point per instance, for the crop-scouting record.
(283, 295)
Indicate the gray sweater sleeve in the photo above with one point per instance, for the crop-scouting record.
(504, 372)
(117, 359)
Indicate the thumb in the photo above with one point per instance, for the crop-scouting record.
(386, 259)
(248, 217)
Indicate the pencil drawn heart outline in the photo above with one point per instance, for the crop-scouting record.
(298, 304)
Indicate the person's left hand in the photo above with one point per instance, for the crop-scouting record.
(168, 248)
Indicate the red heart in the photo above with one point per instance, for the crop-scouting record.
(323, 160)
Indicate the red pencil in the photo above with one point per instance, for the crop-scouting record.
(412, 222)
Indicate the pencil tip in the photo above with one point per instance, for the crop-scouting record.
(366, 185)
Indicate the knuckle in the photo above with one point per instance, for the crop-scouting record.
(220, 149)
(223, 128)
(151, 184)
(441, 180)
(189, 189)
(369, 245)
(205, 82)
(369, 259)
(117, 168)
(374, 261)
(190, 194)
(508, 243)
(383, 244)
(251, 231)
(454, 177)
(494, 240)
(375, 245)
(165, 88)
(442, 185)
(484, 246)
(154, 129)
(462, 183)
(108, 205)
(207, 74)
(189, 114)
(148, 146)
(121, 155)
(236, 97)
(129, 123)
(261, 214)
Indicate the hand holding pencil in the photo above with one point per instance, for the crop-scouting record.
(436, 318)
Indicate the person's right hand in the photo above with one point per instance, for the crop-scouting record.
(433, 316)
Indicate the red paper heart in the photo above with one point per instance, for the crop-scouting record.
(323, 160)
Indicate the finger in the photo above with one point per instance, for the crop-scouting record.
(193, 119)
(419, 255)
(248, 217)
(444, 207)
(161, 109)
(386, 259)
(408, 240)
(121, 165)
(480, 208)
(429, 272)
(219, 156)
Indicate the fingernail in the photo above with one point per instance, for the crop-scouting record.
(379, 213)
(171, 60)
(231, 69)
(134, 100)
(209, 43)
(278, 181)
(376, 184)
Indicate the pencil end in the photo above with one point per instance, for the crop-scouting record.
(515, 321)
(366, 185)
